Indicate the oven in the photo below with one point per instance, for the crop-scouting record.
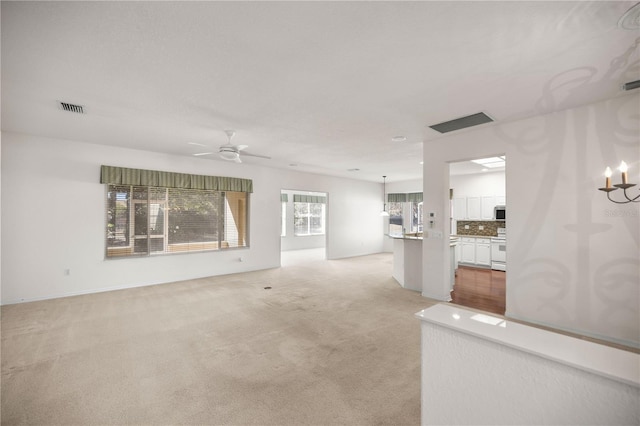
(499, 251)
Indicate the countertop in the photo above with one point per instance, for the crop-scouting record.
(474, 236)
(606, 361)
(404, 237)
(453, 239)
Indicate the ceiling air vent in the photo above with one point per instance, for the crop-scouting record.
(631, 85)
(462, 123)
(65, 106)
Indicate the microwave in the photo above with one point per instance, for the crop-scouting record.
(500, 213)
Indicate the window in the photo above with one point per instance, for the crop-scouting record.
(283, 219)
(417, 219)
(405, 213)
(308, 218)
(395, 219)
(144, 220)
(284, 200)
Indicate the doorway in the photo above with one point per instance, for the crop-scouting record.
(303, 226)
(477, 202)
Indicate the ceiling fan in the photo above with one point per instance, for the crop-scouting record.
(229, 151)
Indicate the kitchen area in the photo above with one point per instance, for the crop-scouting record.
(478, 235)
(478, 222)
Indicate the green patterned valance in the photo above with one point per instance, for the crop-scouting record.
(415, 197)
(396, 198)
(284, 198)
(300, 198)
(139, 177)
(412, 197)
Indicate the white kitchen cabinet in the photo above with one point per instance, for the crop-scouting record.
(460, 208)
(475, 251)
(483, 251)
(488, 204)
(468, 250)
(501, 200)
(474, 208)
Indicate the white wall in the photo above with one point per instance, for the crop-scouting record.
(572, 254)
(478, 184)
(405, 186)
(53, 214)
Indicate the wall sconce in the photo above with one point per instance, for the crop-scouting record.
(624, 185)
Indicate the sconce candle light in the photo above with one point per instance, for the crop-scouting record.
(624, 185)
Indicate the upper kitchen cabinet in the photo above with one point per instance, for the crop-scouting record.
(475, 195)
(488, 204)
(460, 208)
(474, 208)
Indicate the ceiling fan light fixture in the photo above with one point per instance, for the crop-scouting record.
(229, 155)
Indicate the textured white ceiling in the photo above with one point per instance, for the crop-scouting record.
(324, 85)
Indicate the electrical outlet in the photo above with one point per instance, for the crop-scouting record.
(466, 227)
(481, 227)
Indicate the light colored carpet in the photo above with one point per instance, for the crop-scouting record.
(332, 342)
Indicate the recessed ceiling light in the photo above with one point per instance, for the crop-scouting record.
(490, 162)
(353, 170)
(398, 139)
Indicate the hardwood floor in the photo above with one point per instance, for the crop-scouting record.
(482, 289)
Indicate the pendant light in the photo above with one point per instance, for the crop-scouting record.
(384, 196)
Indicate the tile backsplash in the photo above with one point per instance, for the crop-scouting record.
(490, 227)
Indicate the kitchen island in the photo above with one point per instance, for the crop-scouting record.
(407, 260)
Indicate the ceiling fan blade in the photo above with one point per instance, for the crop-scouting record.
(241, 147)
(196, 144)
(238, 160)
(256, 155)
(203, 153)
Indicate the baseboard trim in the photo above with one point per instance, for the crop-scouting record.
(79, 293)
